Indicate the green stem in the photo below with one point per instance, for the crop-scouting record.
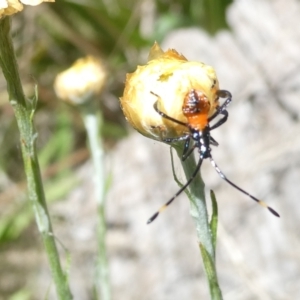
(36, 195)
(199, 213)
(93, 121)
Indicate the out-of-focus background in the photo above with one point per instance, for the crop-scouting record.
(256, 54)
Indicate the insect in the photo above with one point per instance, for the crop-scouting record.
(196, 108)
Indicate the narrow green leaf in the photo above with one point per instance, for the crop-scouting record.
(211, 274)
(34, 102)
(214, 219)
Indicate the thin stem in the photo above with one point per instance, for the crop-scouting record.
(93, 121)
(36, 194)
(199, 213)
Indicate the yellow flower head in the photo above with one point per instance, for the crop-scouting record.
(82, 81)
(10, 7)
(168, 78)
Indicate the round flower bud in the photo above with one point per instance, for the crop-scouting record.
(82, 81)
(167, 78)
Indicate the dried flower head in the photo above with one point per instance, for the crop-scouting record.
(10, 7)
(167, 77)
(82, 81)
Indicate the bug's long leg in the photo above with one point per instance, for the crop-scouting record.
(212, 141)
(188, 153)
(225, 94)
(241, 190)
(177, 139)
(228, 96)
(168, 117)
(223, 107)
(221, 121)
(177, 194)
(165, 115)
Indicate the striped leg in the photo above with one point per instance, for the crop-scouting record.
(221, 174)
(177, 194)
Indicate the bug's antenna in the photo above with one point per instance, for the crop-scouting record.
(221, 174)
(178, 193)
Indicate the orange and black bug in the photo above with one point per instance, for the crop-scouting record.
(196, 108)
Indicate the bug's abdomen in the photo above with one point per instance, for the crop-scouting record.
(196, 108)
